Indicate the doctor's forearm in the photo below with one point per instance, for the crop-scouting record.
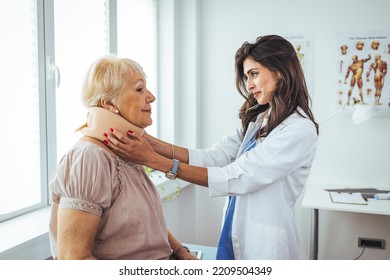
(167, 150)
(190, 173)
(193, 174)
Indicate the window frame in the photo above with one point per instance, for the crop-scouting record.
(43, 117)
(47, 80)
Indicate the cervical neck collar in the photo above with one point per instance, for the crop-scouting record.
(100, 120)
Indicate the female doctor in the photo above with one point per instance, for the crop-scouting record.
(262, 167)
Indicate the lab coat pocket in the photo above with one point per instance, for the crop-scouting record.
(273, 241)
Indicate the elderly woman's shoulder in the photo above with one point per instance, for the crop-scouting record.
(85, 148)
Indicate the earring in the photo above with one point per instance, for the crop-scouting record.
(116, 111)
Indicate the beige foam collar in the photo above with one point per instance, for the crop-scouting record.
(100, 120)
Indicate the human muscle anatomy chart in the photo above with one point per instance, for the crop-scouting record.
(362, 66)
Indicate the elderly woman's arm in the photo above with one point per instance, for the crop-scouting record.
(76, 234)
(179, 251)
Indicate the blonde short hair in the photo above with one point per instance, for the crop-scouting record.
(106, 78)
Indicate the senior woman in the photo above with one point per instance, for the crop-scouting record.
(104, 206)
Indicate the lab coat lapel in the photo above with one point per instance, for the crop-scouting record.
(253, 127)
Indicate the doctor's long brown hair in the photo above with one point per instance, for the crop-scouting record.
(279, 56)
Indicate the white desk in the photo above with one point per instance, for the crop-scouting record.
(316, 198)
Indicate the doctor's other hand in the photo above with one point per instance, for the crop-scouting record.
(132, 146)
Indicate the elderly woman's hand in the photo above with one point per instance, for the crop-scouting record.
(183, 254)
(132, 146)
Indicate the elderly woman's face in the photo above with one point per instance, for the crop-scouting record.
(135, 104)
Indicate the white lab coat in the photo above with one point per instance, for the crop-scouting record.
(267, 181)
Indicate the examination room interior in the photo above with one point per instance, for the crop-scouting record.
(197, 40)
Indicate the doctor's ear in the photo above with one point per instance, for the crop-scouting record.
(107, 104)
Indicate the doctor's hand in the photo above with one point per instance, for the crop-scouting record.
(132, 147)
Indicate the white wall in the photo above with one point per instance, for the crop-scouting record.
(208, 34)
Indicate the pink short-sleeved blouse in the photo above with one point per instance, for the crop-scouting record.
(132, 226)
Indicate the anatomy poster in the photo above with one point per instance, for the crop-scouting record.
(362, 65)
(304, 47)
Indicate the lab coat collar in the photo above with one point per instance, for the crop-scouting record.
(253, 128)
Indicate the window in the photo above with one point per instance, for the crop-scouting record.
(81, 36)
(45, 56)
(21, 168)
(137, 39)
